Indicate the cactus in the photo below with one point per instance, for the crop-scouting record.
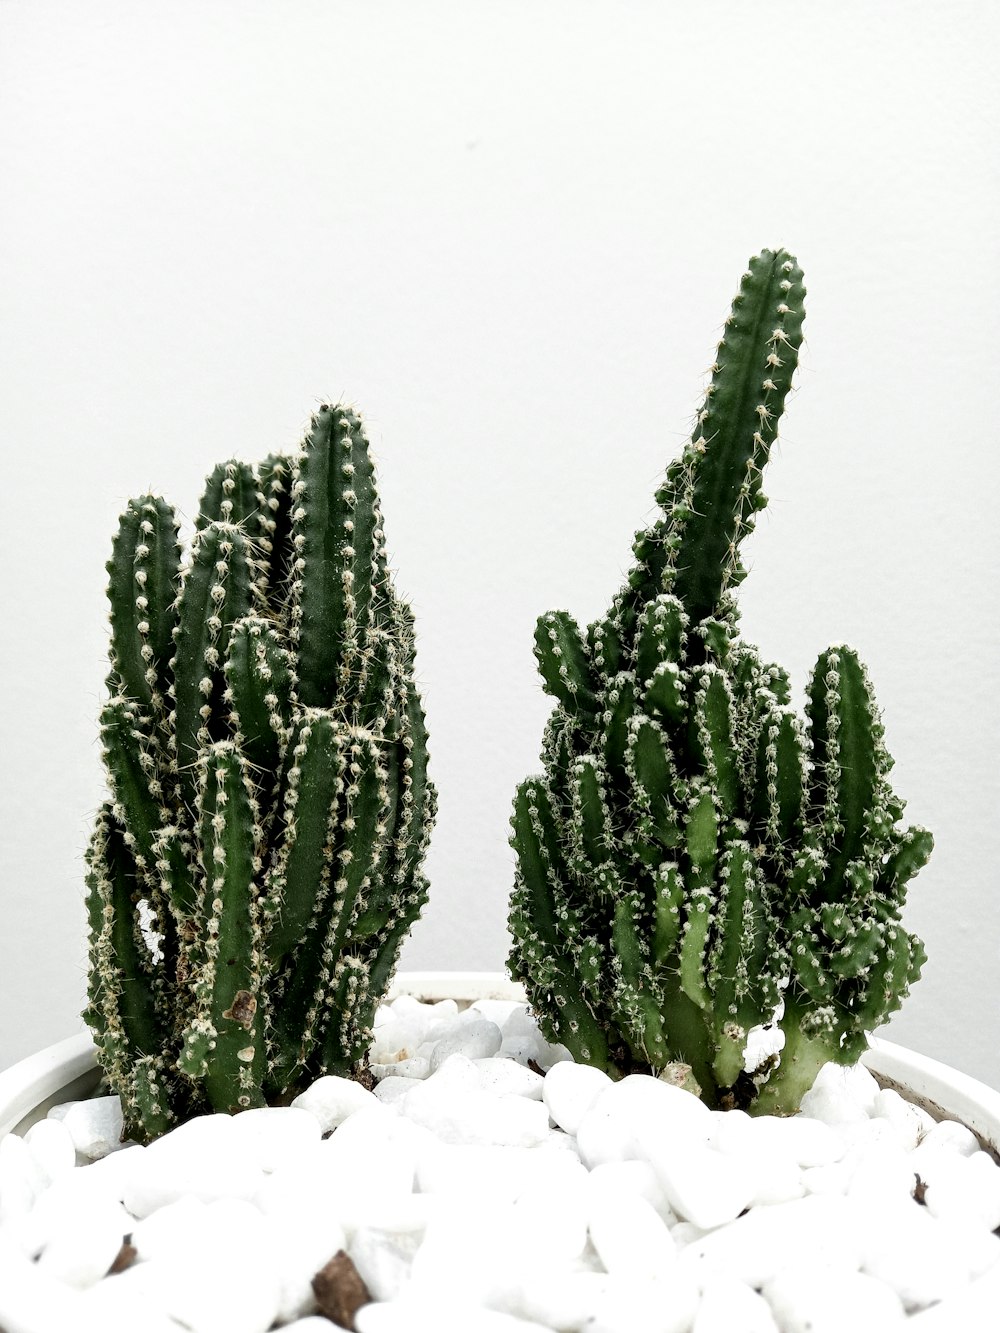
(694, 853)
(257, 864)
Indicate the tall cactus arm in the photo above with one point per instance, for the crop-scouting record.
(339, 550)
(274, 517)
(563, 660)
(225, 1043)
(313, 785)
(142, 588)
(714, 490)
(218, 590)
(849, 761)
(306, 1005)
(124, 1010)
(539, 957)
(258, 691)
(230, 496)
(131, 761)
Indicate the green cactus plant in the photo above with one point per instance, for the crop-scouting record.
(257, 864)
(693, 853)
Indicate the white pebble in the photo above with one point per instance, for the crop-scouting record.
(923, 1260)
(826, 1299)
(569, 1090)
(964, 1189)
(95, 1126)
(755, 1247)
(21, 1178)
(273, 1136)
(856, 1082)
(901, 1115)
(389, 1090)
(702, 1186)
(384, 1259)
(407, 1316)
(497, 1011)
(508, 1077)
(559, 1299)
(32, 1303)
(629, 1236)
(952, 1135)
(52, 1147)
(807, 1141)
(633, 1179)
(476, 1040)
(474, 1116)
(85, 1242)
(833, 1106)
(728, 1305)
(299, 1244)
(665, 1305)
(610, 1129)
(332, 1099)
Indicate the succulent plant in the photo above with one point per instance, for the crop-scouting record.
(694, 853)
(257, 864)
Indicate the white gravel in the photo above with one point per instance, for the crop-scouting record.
(474, 1193)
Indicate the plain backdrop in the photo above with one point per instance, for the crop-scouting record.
(508, 233)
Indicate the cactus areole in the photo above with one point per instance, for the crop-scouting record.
(694, 852)
(257, 864)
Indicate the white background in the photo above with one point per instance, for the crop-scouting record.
(509, 233)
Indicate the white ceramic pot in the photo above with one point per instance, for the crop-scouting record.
(68, 1071)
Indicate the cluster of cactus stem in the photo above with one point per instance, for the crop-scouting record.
(257, 864)
(694, 854)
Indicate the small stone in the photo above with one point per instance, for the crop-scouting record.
(498, 1011)
(84, 1242)
(728, 1305)
(923, 1260)
(21, 1178)
(471, 1115)
(427, 1316)
(332, 1099)
(508, 1077)
(702, 1186)
(384, 1258)
(952, 1135)
(340, 1291)
(632, 1179)
(273, 1136)
(664, 1305)
(637, 1105)
(879, 1172)
(51, 1145)
(889, 1106)
(817, 1298)
(855, 1082)
(833, 1106)
(563, 1300)
(391, 1089)
(807, 1141)
(569, 1090)
(32, 1303)
(963, 1189)
(95, 1126)
(629, 1236)
(758, 1245)
(476, 1040)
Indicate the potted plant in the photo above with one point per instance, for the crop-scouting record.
(693, 858)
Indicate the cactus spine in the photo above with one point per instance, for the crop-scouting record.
(693, 852)
(257, 864)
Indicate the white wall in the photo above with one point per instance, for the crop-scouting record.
(509, 232)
